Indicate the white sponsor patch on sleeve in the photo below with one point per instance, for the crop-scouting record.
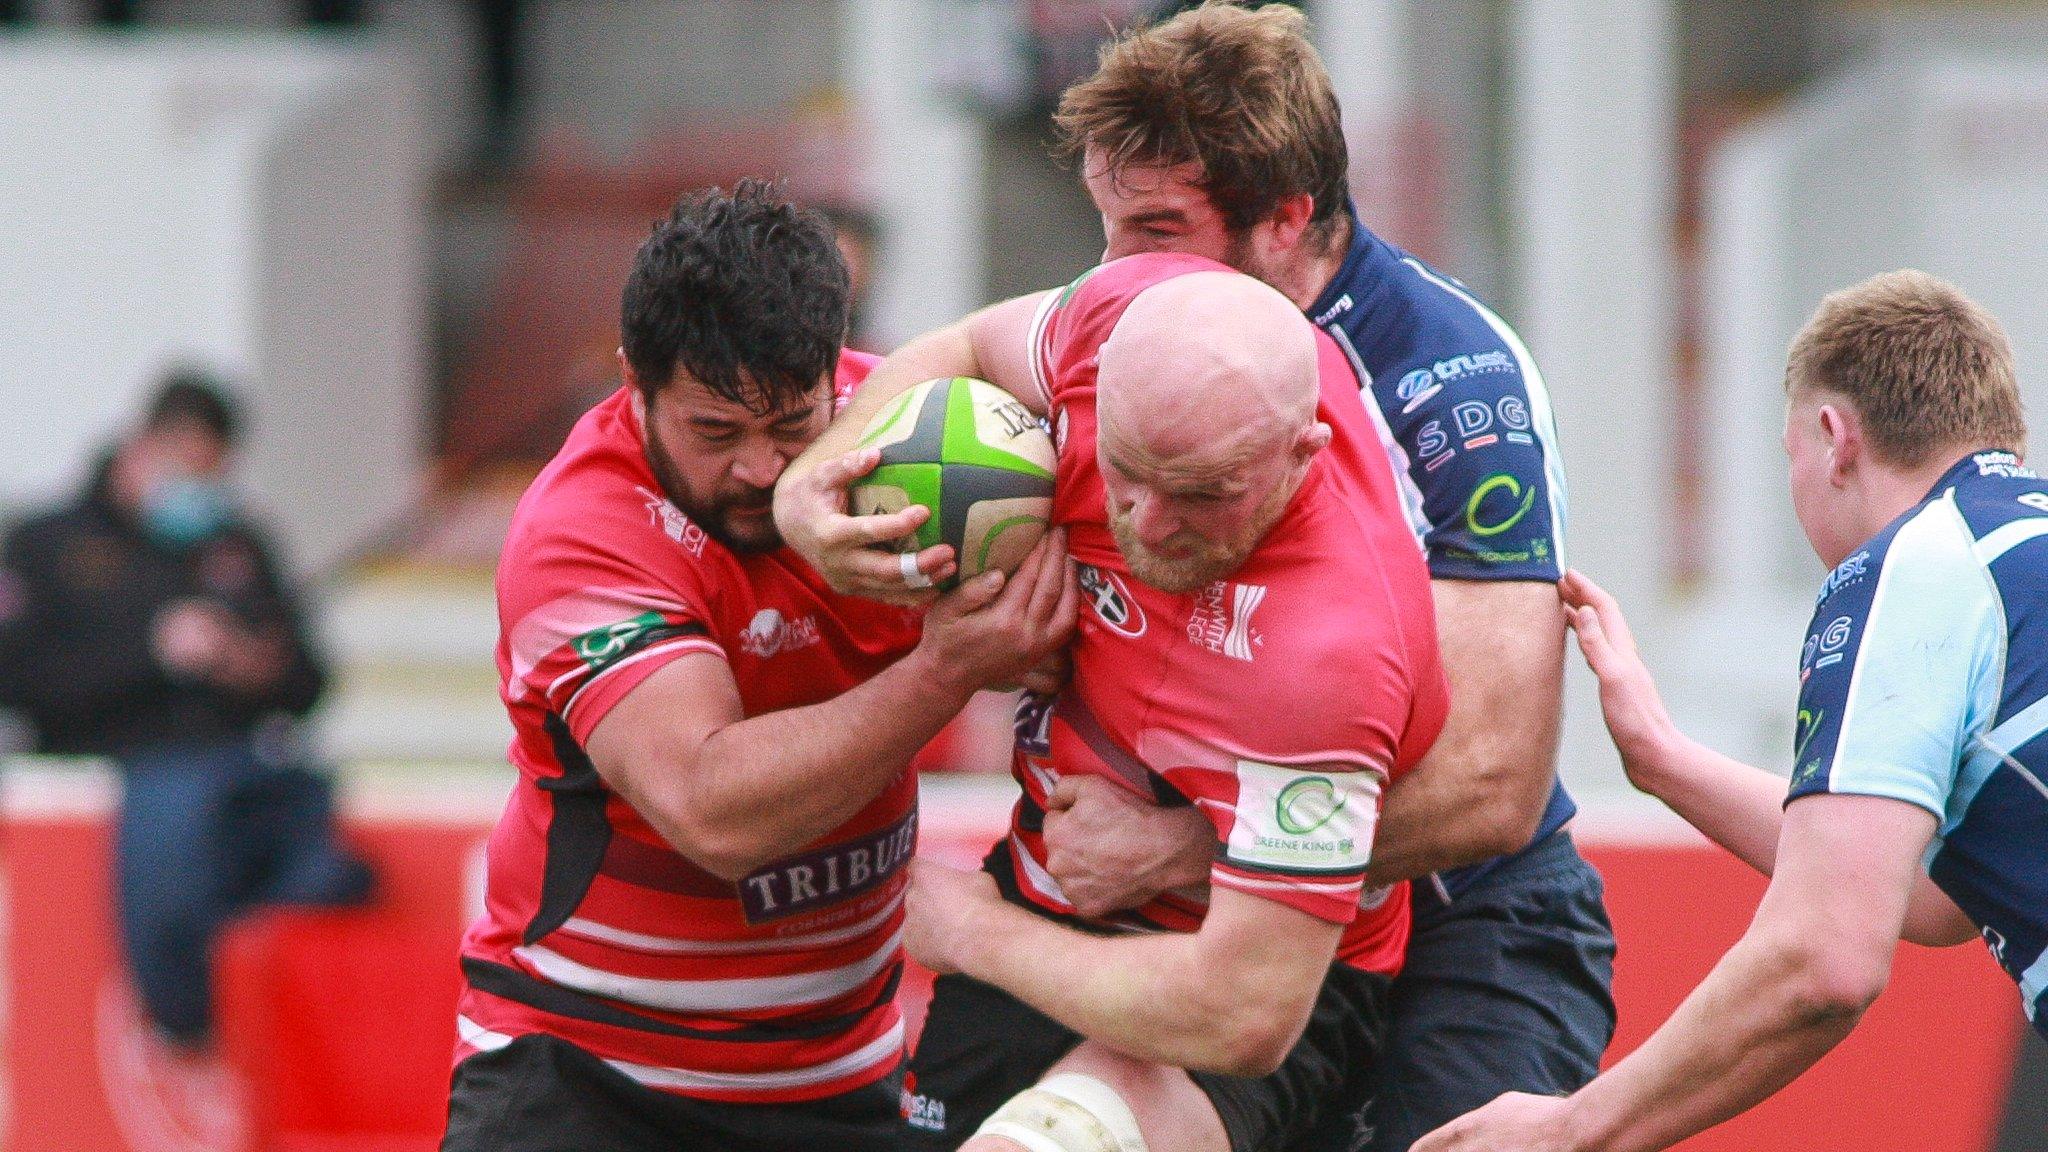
(1302, 820)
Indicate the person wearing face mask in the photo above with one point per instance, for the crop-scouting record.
(147, 622)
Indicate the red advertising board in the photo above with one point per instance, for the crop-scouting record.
(338, 1026)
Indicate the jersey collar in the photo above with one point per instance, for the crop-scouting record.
(1996, 462)
(1355, 277)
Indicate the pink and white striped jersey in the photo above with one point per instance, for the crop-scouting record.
(1279, 701)
(778, 988)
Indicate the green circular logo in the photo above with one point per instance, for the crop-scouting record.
(1515, 491)
(1307, 804)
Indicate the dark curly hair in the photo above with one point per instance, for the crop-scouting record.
(744, 291)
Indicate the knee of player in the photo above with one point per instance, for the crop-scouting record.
(1068, 1112)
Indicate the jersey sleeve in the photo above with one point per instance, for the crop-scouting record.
(1900, 667)
(1299, 835)
(1294, 821)
(585, 626)
(847, 375)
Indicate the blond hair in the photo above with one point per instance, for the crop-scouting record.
(1926, 367)
(1240, 91)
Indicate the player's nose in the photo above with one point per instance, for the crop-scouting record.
(1151, 522)
(758, 463)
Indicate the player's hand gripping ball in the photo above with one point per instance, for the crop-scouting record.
(972, 454)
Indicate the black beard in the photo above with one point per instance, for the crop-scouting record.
(712, 518)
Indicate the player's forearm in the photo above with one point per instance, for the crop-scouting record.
(1768, 1011)
(762, 787)
(1816, 955)
(1742, 808)
(1735, 805)
(1154, 997)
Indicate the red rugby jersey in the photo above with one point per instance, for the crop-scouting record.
(778, 988)
(1279, 701)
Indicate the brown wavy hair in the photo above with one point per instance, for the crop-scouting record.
(1239, 90)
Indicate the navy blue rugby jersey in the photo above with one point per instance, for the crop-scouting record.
(1467, 425)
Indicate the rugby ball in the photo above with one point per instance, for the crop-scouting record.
(972, 454)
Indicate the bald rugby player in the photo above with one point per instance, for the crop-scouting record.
(1259, 649)
(1217, 133)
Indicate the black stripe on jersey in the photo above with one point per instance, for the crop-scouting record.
(578, 832)
(509, 983)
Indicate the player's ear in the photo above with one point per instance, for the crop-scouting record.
(1290, 219)
(1311, 440)
(631, 380)
(1844, 433)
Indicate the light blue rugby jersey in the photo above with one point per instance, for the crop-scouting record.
(1925, 679)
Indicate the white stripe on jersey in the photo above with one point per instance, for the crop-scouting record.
(1994, 749)
(581, 668)
(700, 996)
(888, 1047)
(2006, 537)
(479, 1037)
(1035, 345)
(584, 929)
(2033, 982)
(1035, 875)
(548, 628)
(1353, 885)
(1542, 420)
(1404, 483)
(694, 643)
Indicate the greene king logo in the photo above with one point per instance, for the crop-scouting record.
(1307, 804)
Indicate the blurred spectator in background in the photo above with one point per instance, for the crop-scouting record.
(147, 622)
(857, 233)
